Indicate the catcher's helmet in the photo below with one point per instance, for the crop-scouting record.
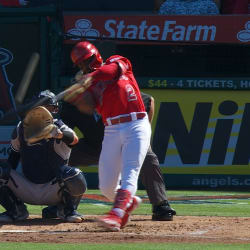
(51, 100)
(83, 51)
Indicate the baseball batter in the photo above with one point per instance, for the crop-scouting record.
(46, 178)
(127, 129)
(87, 152)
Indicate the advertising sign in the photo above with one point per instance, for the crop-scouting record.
(194, 83)
(203, 134)
(201, 138)
(202, 29)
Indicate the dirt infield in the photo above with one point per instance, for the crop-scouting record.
(140, 229)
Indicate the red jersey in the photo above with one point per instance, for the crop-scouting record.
(115, 89)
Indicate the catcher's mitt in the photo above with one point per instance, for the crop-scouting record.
(38, 124)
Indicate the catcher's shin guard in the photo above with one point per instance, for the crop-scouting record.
(67, 210)
(73, 186)
(15, 208)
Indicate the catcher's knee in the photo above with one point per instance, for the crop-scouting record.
(73, 181)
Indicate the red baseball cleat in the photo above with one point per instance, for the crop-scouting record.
(136, 202)
(111, 221)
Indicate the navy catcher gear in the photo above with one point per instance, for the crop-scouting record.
(73, 181)
(5, 170)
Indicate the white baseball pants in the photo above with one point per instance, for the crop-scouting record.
(124, 148)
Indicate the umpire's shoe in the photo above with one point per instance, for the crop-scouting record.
(18, 214)
(163, 212)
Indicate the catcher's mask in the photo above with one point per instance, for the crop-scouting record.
(86, 51)
(51, 103)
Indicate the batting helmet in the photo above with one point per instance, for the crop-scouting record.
(83, 51)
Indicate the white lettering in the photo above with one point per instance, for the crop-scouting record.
(153, 30)
(166, 29)
(120, 28)
(170, 31)
(179, 34)
(142, 28)
(216, 83)
(209, 83)
(132, 33)
(244, 84)
(189, 31)
(205, 30)
(109, 29)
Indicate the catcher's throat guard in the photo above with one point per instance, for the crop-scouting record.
(37, 124)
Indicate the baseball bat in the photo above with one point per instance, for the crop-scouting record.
(70, 93)
(27, 77)
(67, 95)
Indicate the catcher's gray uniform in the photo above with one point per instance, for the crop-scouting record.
(42, 163)
(45, 179)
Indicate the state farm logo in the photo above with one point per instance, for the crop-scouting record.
(244, 35)
(169, 30)
(83, 28)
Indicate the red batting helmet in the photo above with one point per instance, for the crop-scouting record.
(83, 51)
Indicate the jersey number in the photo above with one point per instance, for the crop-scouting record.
(130, 93)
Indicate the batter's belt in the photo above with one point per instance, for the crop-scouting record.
(128, 118)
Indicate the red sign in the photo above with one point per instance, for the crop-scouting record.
(200, 29)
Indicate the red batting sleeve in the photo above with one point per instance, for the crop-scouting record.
(106, 72)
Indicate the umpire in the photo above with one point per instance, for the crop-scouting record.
(46, 178)
(88, 149)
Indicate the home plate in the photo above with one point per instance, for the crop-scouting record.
(19, 231)
(37, 231)
(198, 232)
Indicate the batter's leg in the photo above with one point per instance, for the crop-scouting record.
(153, 181)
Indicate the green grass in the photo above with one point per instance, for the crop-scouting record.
(129, 246)
(204, 207)
(184, 207)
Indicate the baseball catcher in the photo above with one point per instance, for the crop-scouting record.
(42, 144)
